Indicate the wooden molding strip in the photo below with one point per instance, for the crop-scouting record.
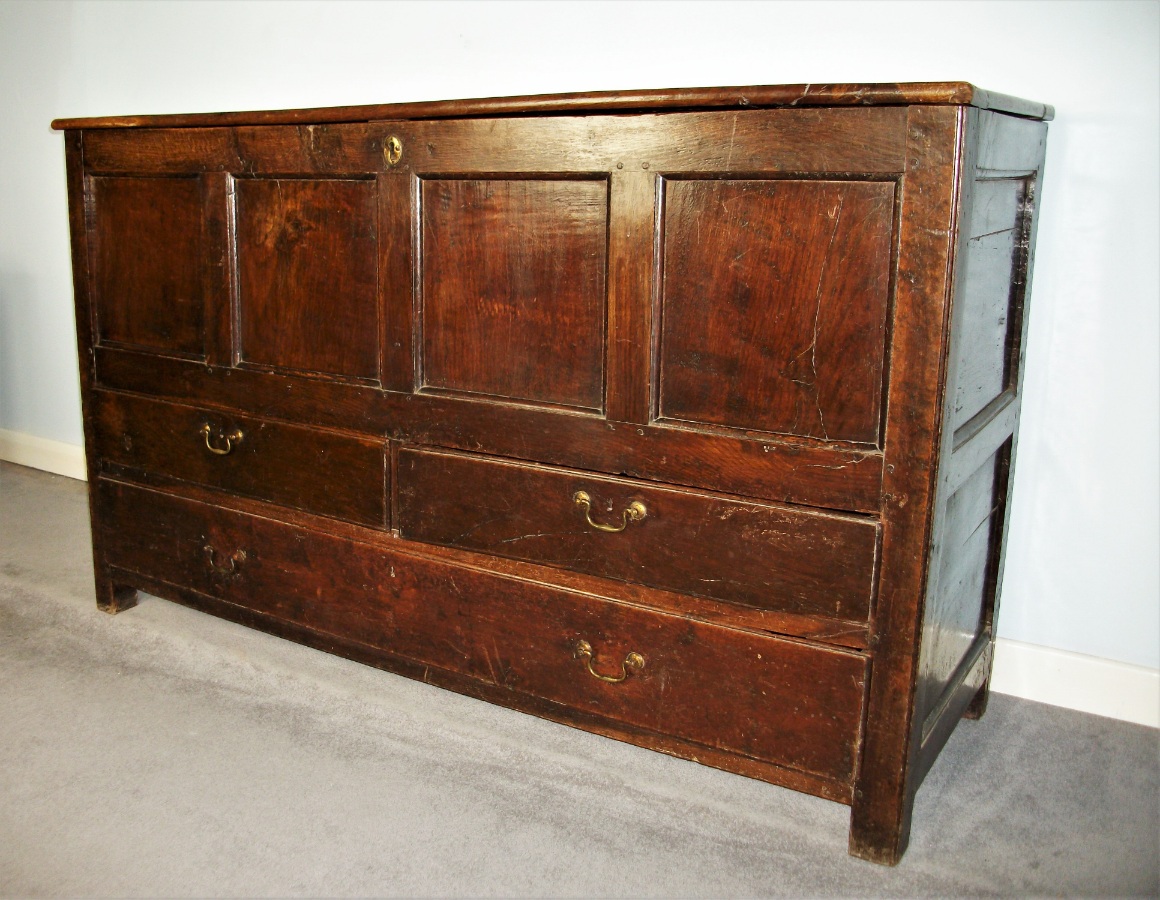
(958, 93)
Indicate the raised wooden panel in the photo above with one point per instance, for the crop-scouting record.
(147, 255)
(962, 585)
(513, 288)
(773, 305)
(992, 292)
(307, 267)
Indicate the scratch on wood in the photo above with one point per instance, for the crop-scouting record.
(812, 349)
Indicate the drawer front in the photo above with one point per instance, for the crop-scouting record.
(310, 578)
(759, 555)
(304, 468)
(786, 702)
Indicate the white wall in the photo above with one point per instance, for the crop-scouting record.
(1082, 572)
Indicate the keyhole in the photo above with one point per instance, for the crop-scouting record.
(393, 150)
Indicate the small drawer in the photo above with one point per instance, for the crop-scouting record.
(304, 468)
(757, 554)
(320, 581)
(787, 702)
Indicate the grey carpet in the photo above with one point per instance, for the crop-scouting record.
(164, 752)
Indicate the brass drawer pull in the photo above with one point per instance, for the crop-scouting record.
(234, 437)
(233, 563)
(635, 512)
(633, 661)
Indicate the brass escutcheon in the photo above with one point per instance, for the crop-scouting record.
(231, 566)
(633, 661)
(635, 512)
(393, 151)
(234, 437)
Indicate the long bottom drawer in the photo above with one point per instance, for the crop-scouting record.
(770, 699)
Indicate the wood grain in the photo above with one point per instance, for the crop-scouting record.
(148, 254)
(396, 287)
(961, 582)
(768, 557)
(513, 288)
(817, 141)
(884, 793)
(781, 701)
(632, 264)
(818, 629)
(305, 468)
(307, 275)
(753, 97)
(774, 305)
(993, 289)
(977, 456)
(756, 312)
(794, 779)
(832, 477)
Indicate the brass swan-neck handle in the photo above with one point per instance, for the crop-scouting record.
(634, 661)
(634, 513)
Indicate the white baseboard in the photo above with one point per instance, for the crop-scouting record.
(41, 453)
(1089, 684)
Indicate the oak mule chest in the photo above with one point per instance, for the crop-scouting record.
(684, 417)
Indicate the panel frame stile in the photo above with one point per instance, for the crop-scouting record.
(633, 244)
(397, 196)
(112, 597)
(884, 789)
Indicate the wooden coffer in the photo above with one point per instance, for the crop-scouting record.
(684, 417)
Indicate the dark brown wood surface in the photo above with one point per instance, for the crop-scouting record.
(778, 558)
(310, 469)
(773, 305)
(795, 779)
(789, 322)
(817, 629)
(867, 141)
(307, 275)
(396, 282)
(111, 596)
(513, 297)
(754, 97)
(883, 797)
(782, 701)
(832, 477)
(146, 237)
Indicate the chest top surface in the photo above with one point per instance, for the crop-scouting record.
(958, 93)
